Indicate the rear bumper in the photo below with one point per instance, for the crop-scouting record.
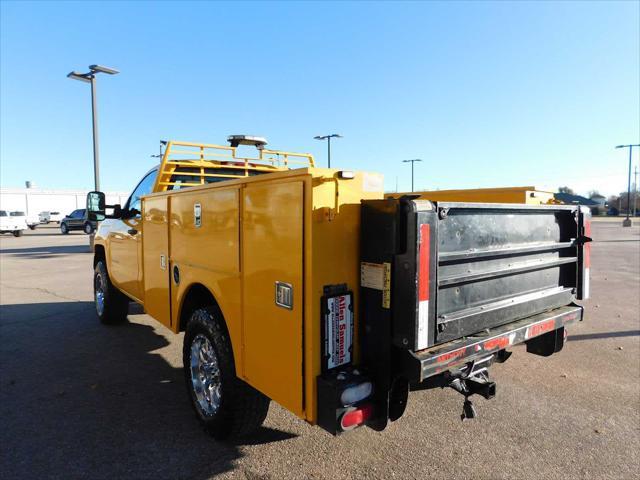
(441, 358)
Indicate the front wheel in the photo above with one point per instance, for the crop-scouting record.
(17, 233)
(112, 305)
(32, 227)
(225, 405)
(64, 228)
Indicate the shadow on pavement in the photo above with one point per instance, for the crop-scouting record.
(47, 251)
(615, 241)
(79, 399)
(595, 336)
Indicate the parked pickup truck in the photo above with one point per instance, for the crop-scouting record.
(306, 286)
(31, 221)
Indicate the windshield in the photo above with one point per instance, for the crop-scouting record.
(3, 213)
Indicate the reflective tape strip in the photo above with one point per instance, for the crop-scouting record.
(423, 268)
(585, 289)
(423, 325)
(423, 287)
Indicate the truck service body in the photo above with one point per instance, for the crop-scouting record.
(325, 296)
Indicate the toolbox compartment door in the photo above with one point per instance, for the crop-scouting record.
(272, 301)
(155, 258)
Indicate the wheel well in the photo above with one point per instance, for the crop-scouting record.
(197, 296)
(98, 254)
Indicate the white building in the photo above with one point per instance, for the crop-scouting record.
(34, 200)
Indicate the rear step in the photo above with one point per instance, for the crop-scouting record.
(423, 364)
(464, 365)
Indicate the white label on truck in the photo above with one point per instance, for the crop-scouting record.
(372, 182)
(423, 325)
(585, 294)
(338, 333)
(372, 275)
(197, 215)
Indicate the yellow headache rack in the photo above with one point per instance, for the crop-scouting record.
(187, 164)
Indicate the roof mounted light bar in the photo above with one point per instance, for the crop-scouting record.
(258, 142)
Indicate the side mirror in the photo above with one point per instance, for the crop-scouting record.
(96, 206)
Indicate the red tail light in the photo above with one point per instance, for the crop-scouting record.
(357, 416)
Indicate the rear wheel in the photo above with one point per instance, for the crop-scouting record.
(17, 233)
(64, 228)
(225, 405)
(88, 228)
(112, 305)
(32, 227)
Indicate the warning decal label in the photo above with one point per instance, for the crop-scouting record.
(338, 326)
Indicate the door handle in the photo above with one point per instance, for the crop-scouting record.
(132, 231)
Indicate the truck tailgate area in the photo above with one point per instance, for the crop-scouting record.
(457, 269)
(497, 264)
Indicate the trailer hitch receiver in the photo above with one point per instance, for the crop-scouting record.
(473, 379)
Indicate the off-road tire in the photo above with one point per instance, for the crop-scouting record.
(17, 233)
(64, 228)
(116, 303)
(242, 408)
(88, 228)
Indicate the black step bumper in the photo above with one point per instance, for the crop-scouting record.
(423, 364)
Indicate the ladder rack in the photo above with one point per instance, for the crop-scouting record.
(186, 164)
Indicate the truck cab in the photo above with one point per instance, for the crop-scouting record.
(308, 287)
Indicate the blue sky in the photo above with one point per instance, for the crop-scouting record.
(487, 93)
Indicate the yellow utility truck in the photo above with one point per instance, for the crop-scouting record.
(307, 286)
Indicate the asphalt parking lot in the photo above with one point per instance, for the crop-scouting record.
(81, 400)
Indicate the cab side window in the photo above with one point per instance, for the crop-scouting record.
(144, 188)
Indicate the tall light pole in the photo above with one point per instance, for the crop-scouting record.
(328, 139)
(412, 161)
(160, 155)
(90, 77)
(627, 221)
(635, 189)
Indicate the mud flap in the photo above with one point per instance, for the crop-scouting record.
(547, 344)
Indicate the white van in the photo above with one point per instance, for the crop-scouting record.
(9, 224)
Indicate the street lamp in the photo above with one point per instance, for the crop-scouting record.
(90, 77)
(627, 221)
(162, 142)
(328, 139)
(412, 161)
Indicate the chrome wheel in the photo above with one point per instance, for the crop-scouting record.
(99, 287)
(205, 375)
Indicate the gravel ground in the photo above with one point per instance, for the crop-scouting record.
(80, 400)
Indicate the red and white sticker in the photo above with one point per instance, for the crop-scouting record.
(587, 261)
(423, 287)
